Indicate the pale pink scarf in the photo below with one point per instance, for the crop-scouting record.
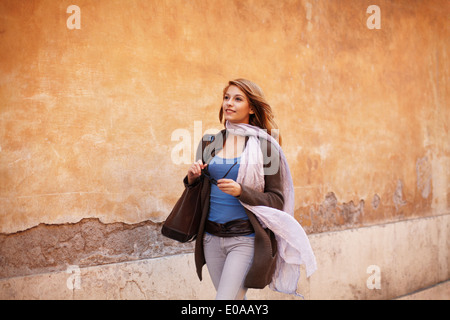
(293, 245)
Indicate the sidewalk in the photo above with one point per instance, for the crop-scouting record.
(440, 291)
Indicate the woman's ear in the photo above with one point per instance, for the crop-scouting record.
(251, 111)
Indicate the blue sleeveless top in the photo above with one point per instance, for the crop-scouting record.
(222, 206)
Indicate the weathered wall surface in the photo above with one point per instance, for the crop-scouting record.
(49, 248)
(86, 116)
(345, 258)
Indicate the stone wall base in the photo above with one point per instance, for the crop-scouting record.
(377, 262)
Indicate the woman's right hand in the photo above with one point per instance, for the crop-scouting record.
(195, 171)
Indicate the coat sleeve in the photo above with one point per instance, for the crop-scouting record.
(199, 154)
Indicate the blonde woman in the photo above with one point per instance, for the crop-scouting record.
(246, 182)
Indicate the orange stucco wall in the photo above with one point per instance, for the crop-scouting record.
(87, 115)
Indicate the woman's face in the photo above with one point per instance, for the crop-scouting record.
(236, 107)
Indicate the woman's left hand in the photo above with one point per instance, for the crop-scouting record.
(229, 186)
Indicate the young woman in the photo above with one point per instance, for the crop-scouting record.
(247, 188)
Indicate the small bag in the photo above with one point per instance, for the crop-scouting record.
(183, 222)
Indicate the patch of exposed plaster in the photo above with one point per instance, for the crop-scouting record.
(398, 196)
(331, 215)
(376, 201)
(49, 248)
(424, 174)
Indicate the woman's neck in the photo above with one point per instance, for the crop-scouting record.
(233, 146)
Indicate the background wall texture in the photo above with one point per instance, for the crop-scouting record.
(89, 117)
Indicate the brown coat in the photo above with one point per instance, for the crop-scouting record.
(263, 265)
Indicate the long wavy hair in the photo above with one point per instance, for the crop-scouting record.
(263, 116)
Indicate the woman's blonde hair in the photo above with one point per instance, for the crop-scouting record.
(263, 115)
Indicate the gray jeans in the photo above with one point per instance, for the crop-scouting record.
(228, 261)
